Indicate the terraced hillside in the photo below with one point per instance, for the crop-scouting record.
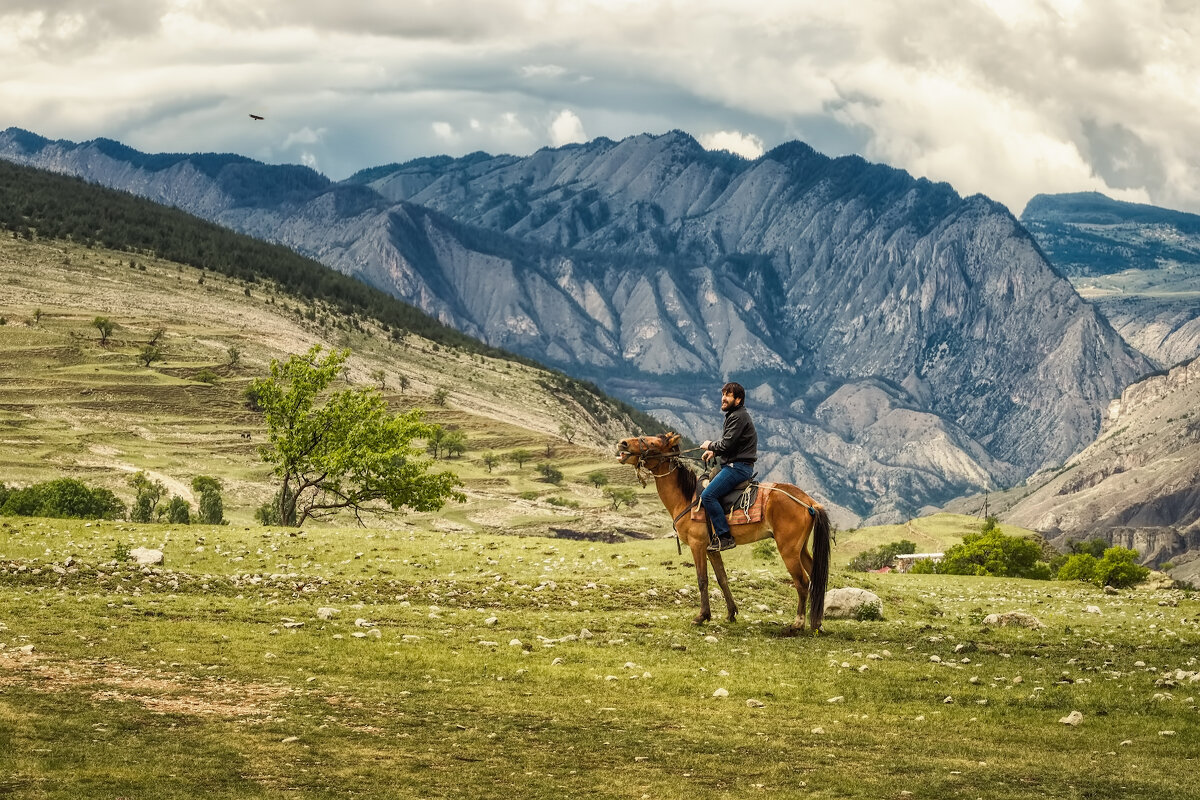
(72, 406)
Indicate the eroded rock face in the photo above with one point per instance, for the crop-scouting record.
(904, 344)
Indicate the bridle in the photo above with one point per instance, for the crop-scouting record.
(671, 456)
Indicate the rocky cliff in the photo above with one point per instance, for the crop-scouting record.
(1138, 484)
(901, 344)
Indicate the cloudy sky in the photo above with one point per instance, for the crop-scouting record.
(1005, 97)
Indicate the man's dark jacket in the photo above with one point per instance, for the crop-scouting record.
(739, 440)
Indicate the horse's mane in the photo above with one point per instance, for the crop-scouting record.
(686, 479)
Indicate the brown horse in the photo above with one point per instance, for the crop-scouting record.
(789, 515)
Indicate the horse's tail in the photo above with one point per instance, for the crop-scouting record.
(820, 571)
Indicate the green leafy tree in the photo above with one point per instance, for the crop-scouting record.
(435, 440)
(597, 479)
(105, 326)
(147, 494)
(520, 456)
(1119, 568)
(1093, 547)
(993, 553)
(550, 473)
(1078, 567)
(567, 431)
(882, 556)
(490, 461)
(210, 508)
(440, 396)
(149, 354)
(620, 495)
(343, 449)
(179, 511)
(235, 355)
(455, 443)
(62, 498)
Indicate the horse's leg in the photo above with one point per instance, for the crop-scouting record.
(790, 543)
(699, 552)
(723, 581)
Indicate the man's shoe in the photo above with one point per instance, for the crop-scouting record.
(722, 543)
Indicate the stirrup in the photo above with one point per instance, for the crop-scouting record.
(720, 544)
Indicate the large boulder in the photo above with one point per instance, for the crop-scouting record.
(146, 557)
(849, 603)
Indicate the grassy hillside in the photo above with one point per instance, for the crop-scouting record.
(72, 406)
(934, 534)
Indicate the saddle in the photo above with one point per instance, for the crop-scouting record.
(742, 505)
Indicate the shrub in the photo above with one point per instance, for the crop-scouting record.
(206, 375)
(597, 479)
(923, 567)
(528, 495)
(996, 554)
(179, 511)
(879, 557)
(62, 498)
(562, 502)
(1119, 568)
(1079, 567)
(550, 473)
(268, 512)
(210, 507)
(869, 612)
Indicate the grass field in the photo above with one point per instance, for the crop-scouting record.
(530, 642)
(466, 665)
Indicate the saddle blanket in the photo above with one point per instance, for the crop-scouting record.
(746, 509)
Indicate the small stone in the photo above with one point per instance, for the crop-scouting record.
(489, 644)
(359, 635)
(556, 662)
(291, 739)
(948, 700)
(818, 731)
(936, 659)
(1074, 718)
(25, 649)
(837, 699)
(585, 634)
(974, 679)
(752, 703)
(1126, 743)
(711, 639)
(514, 642)
(1092, 610)
(490, 621)
(327, 613)
(1166, 733)
(721, 693)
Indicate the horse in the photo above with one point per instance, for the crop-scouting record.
(789, 515)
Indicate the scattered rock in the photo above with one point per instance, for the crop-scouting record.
(844, 603)
(752, 703)
(1111, 590)
(818, 731)
(711, 639)
(491, 622)
(291, 739)
(837, 699)
(1074, 718)
(145, 557)
(326, 613)
(1013, 618)
(1092, 610)
(721, 693)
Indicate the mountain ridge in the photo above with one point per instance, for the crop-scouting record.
(657, 265)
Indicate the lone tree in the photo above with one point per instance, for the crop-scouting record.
(520, 456)
(490, 460)
(619, 496)
(105, 326)
(149, 354)
(567, 431)
(597, 479)
(211, 507)
(343, 449)
(147, 494)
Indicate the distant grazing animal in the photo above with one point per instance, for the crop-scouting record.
(255, 116)
(789, 515)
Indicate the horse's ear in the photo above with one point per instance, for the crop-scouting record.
(673, 439)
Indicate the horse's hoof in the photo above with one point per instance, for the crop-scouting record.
(700, 619)
(791, 630)
(732, 617)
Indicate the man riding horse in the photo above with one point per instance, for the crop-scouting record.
(738, 449)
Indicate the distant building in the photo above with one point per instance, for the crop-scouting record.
(904, 562)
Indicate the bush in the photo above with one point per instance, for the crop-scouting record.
(63, 498)
(1093, 547)
(1079, 567)
(1119, 568)
(869, 612)
(179, 511)
(210, 507)
(923, 567)
(550, 473)
(562, 502)
(206, 375)
(996, 554)
(879, 557)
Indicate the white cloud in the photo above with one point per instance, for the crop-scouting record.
(1005, 97)
(305, 135)
(746, 145)
(543, 71)
(308, 159)
(566, 128)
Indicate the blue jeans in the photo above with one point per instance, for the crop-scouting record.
(724, 483)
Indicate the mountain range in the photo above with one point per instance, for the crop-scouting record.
(1138, 264)
(900, 344)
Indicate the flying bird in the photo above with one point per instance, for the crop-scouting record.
(255, 116)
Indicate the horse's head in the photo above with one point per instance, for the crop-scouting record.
(636, 449)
